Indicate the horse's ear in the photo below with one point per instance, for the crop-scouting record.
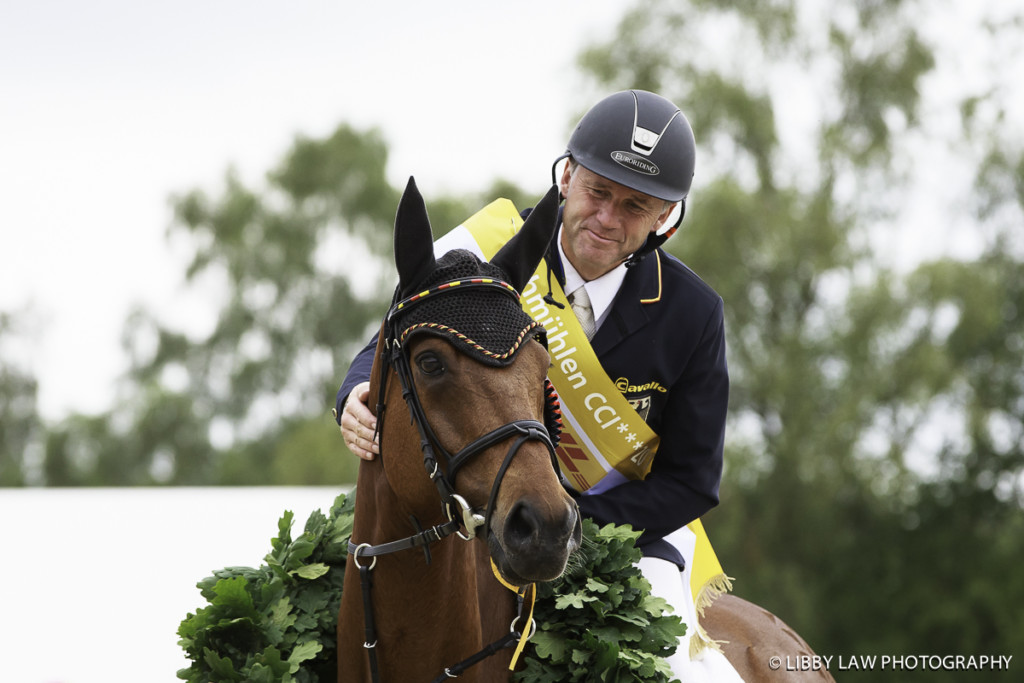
(414, 242)
(521, 255)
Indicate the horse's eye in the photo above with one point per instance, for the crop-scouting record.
(429, 363)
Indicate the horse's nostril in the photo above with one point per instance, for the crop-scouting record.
(521, 525)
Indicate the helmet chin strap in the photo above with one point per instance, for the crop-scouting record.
(554, 169)
(655, 240)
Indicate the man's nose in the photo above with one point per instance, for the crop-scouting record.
(608, 214)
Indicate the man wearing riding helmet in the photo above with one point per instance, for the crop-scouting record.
(657, 331)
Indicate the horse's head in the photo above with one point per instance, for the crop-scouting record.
(472, 367)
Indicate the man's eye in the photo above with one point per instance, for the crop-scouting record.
(429, 364)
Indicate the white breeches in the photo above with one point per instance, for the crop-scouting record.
(710, 665)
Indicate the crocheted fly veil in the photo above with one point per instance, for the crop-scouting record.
(485, 321)
(473, 304)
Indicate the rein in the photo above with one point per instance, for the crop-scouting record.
(458, 511)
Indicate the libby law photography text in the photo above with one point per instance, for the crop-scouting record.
(891, 662)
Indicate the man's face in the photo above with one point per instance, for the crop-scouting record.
(604, 222)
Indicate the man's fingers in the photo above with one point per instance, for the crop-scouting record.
(358, 423)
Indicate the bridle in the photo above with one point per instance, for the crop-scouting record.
(463, 520)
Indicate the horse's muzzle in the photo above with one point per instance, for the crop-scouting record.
(535, 539)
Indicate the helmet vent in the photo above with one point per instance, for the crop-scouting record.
(644, 140)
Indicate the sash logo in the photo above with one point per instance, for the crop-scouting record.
(635, 163)
(623, 385)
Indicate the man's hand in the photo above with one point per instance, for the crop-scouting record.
(358, 423)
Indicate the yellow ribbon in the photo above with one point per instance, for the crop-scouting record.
(520, 591)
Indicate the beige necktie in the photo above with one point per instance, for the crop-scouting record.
(580, 303)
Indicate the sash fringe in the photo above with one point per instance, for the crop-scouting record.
(711, 590)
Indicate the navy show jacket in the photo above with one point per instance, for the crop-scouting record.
(663, 344)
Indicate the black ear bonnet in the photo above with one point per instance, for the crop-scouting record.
(485, 321)
(472, 304)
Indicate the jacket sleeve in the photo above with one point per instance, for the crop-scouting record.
(684, 480)
(358, 371)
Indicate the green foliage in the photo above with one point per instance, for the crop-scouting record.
(278, 623)
(275, 623)
(599, 622)
(18, 420)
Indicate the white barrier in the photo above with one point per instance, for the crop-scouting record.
(94, 582)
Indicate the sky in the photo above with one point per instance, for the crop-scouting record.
(109, 108)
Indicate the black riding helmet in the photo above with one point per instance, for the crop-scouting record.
(642, 141)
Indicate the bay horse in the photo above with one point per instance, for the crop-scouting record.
(465, 424)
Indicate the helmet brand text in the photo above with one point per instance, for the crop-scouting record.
(635, 163)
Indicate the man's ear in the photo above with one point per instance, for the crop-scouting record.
(665, 215)
(563, 183)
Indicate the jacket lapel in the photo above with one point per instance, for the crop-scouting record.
(631, 309)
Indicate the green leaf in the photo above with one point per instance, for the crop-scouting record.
(270, 658)
(220, 666)
(232, 594)
(284, 530)
(549, 645)
(303, 652)
(656, 606)
(577, 600)
(281, 614)
(311, 571)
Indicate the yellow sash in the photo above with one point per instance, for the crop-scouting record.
(601, 430)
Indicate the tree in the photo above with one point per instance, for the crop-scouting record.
(298, 274)
(19, 421)
(291, 271)
(874, 411)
